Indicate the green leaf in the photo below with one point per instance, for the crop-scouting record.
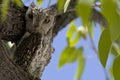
(112, 17)
(4, 9)
(118, 42)
(74, 41)
(115, 49)
(111, 71)
(81, 32)
(81, 62)
(19, 3)
(39, 2)
(90, 29)
(104, 46)
(116, 68)
(114, 29)
(84, 9)
(67, 56)
(81, 65)
(71, 31)
(60, 4)
(66, 5)
(79, 53)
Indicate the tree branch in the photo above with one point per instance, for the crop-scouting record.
(65, 18)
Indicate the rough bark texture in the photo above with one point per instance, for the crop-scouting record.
(9, 70)
(14, 27)
(33, 51)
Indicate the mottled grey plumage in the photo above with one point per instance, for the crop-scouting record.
(38, 19)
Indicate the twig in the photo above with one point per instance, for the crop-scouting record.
(49, 2)
(92, 42)
(95, 50)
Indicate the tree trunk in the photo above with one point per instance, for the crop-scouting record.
(8, 69)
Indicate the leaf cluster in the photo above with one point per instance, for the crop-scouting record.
(109, 42)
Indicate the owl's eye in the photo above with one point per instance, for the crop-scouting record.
(47, 20)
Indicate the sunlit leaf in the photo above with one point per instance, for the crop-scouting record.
(4, 9)
(39, 2)
(79, 53)
(81, 62)
(81, 32)
(111, 71)
(81, 65)
(90, 28)
(104, 46)
(71, 31)
(66, 5)
(60, 4)
(19, 3)
(116, 68)
(75, 41)
(67, 56)
(115, 49)
(84, 9)
(112, 17)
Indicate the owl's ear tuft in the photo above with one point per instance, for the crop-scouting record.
(51, 11)
(32, 5)
(29, 13)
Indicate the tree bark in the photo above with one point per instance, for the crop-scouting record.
(8, 69)
(33, 52)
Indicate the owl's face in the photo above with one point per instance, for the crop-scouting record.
(42, 20)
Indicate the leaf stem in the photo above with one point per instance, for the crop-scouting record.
(92, 42)
(95, 50)
(49, 2)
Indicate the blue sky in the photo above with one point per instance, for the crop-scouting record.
(93, 68)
